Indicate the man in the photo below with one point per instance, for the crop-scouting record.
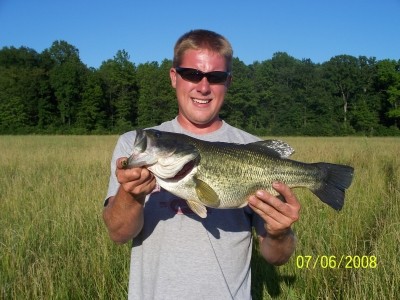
(176, 254)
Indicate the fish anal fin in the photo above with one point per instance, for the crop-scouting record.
(198, 208)
(206, 194)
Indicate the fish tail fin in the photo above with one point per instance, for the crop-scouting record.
(336, 179)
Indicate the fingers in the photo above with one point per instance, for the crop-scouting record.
(286, 193)
(121, 162)
(136, 181)
(277, 214)
(125, 175)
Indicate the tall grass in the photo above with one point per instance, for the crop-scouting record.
(53, 244)
(368, 226)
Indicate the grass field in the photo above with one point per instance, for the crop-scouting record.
(53, 244)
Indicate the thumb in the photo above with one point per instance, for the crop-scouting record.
(122, 163)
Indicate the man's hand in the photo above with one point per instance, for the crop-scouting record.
(279, 243)
(278, 215)
(123, 214)
(138, 182)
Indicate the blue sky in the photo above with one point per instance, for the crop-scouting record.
(147, 30)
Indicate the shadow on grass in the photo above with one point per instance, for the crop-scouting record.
(266, 278)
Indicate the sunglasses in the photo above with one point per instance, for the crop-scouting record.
(194, 75)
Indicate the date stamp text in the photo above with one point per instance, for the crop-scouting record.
(336, 262)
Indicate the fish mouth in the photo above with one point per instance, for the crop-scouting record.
(167, 158)
(186, 169)
(139, 156)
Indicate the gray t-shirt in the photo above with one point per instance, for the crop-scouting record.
(179, 255)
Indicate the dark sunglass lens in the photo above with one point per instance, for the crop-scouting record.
(193, 75)
(217, 77)
(190, 74)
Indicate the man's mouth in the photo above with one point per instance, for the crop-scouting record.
(201, 101)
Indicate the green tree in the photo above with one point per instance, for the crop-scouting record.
(19, 88)
(119, 76)
(157, 101)
(311, 100)
(364, 116)
(286, 110)
(55, 92)
(389, 86)
(364, 119)
(240, 107)
(262, 78)
(92, 111)
(47, 107)
(67, 77)
(343, 74)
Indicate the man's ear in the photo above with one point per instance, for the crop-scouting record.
(172, 76)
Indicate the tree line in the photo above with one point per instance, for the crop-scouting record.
(55, 92)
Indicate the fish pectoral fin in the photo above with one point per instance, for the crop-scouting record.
(206, 194)
(198, 208)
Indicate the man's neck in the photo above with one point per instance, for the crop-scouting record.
(200, 128)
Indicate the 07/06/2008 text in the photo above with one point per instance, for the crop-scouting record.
(336, 262)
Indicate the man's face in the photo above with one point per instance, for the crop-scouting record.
(200, 103)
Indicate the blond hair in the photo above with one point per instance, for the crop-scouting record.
(203, 39)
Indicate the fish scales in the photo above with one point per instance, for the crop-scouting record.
(222, 172)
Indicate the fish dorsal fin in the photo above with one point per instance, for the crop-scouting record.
(206, 194)
(198, 208)
(283, 149)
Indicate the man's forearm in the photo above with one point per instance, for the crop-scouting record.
(277, 249)
(123, 216)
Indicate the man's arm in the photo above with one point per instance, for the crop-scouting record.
(123, 214)
(279, 242)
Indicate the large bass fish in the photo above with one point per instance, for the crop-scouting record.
(224, 175)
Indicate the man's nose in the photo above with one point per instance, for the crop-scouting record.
(203, 86)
